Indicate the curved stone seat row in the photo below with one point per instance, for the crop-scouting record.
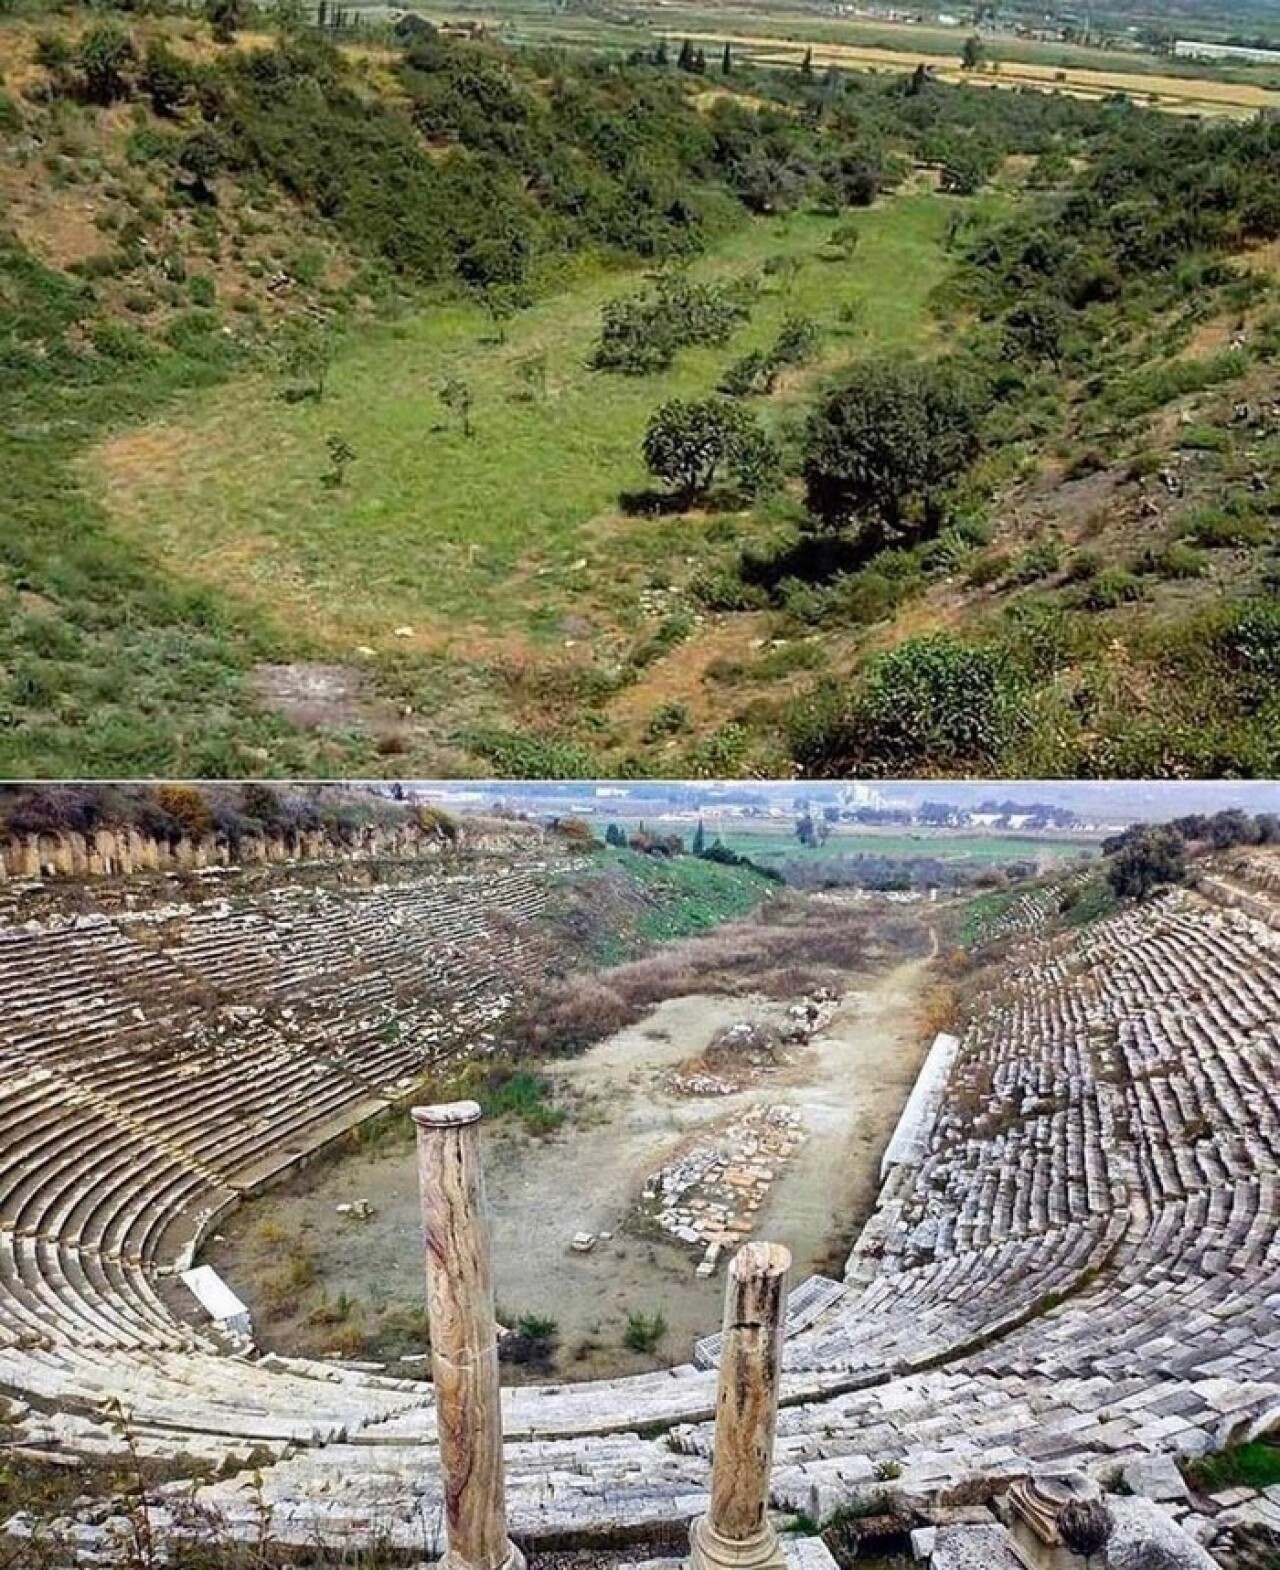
(154, 1062)
(1085, 1263)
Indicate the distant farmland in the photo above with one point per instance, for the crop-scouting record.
(772, 841)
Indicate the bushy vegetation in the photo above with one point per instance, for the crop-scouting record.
(1252, 1465)
(1147, 857)
(230, 813)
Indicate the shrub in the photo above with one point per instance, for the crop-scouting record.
(755, 373)
(1083, 566)
(1177, 560)
(227, 17)
(1040, 560)
(689, 440)
(1218, 528)
(1248, 641)
(1113, 586)
(120, 342)
(567, 1017)
(640, 333)
(668, 719)
(104, 56)
(988, 568)
(644, 1332)
(54, 52)
(933, 703)
(188, 806)
(797, 341)
(531, 1343)
(1151, 859)
(164, 78)
(725, 591)
(10, 115)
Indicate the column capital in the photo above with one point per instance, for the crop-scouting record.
(446, 1114)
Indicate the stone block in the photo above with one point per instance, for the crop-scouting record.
(1156, 1477)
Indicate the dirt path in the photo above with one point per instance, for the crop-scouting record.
(849, 1083)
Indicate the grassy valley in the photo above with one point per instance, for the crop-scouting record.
(318, 462)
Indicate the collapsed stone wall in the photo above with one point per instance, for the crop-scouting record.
(124, 851)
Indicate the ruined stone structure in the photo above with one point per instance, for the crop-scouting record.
(464, 1338)
(121, 852)
(1081, 1268)
(735, 1533)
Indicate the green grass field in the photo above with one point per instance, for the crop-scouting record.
(769, 843)
(447, 534)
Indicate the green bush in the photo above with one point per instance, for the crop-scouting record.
(1220, 528)
(640, 333)
(668, 719)
(725, 591)
(689, 441)
(1205, 438)
(120, 342)
(644, 1332)
(885, 446)
(1040, 560)
(754, 374)
(988, 568)
(1113, 586)
(931, 704)
(1083, 566)
(104, 56)
(797, 341)
(1177, 560)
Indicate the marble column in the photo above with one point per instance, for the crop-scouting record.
(735, 1532)
(464, 1345)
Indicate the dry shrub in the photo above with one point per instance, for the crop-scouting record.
(793, 946)
(568, 1016)
(187, 806)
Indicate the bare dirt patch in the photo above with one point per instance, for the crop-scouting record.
(323, 697)
(681, 676)
(846, 1088)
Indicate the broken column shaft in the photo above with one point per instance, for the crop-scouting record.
(735, 1530)
(464, 1344)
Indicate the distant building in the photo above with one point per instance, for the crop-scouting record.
(1196, 49)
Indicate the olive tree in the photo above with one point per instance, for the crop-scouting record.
(885, 447)
(690, 440)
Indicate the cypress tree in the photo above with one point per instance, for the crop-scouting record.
(726, 62)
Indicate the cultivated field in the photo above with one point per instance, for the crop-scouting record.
(779, 34)
(772, 841)
(1183, 94)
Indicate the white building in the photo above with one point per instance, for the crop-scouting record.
(1197, 49)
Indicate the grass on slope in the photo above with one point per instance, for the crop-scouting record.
(438, 531)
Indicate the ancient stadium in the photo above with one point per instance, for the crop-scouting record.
(1072, 1265)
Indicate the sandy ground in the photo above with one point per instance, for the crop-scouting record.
(850, 1083)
